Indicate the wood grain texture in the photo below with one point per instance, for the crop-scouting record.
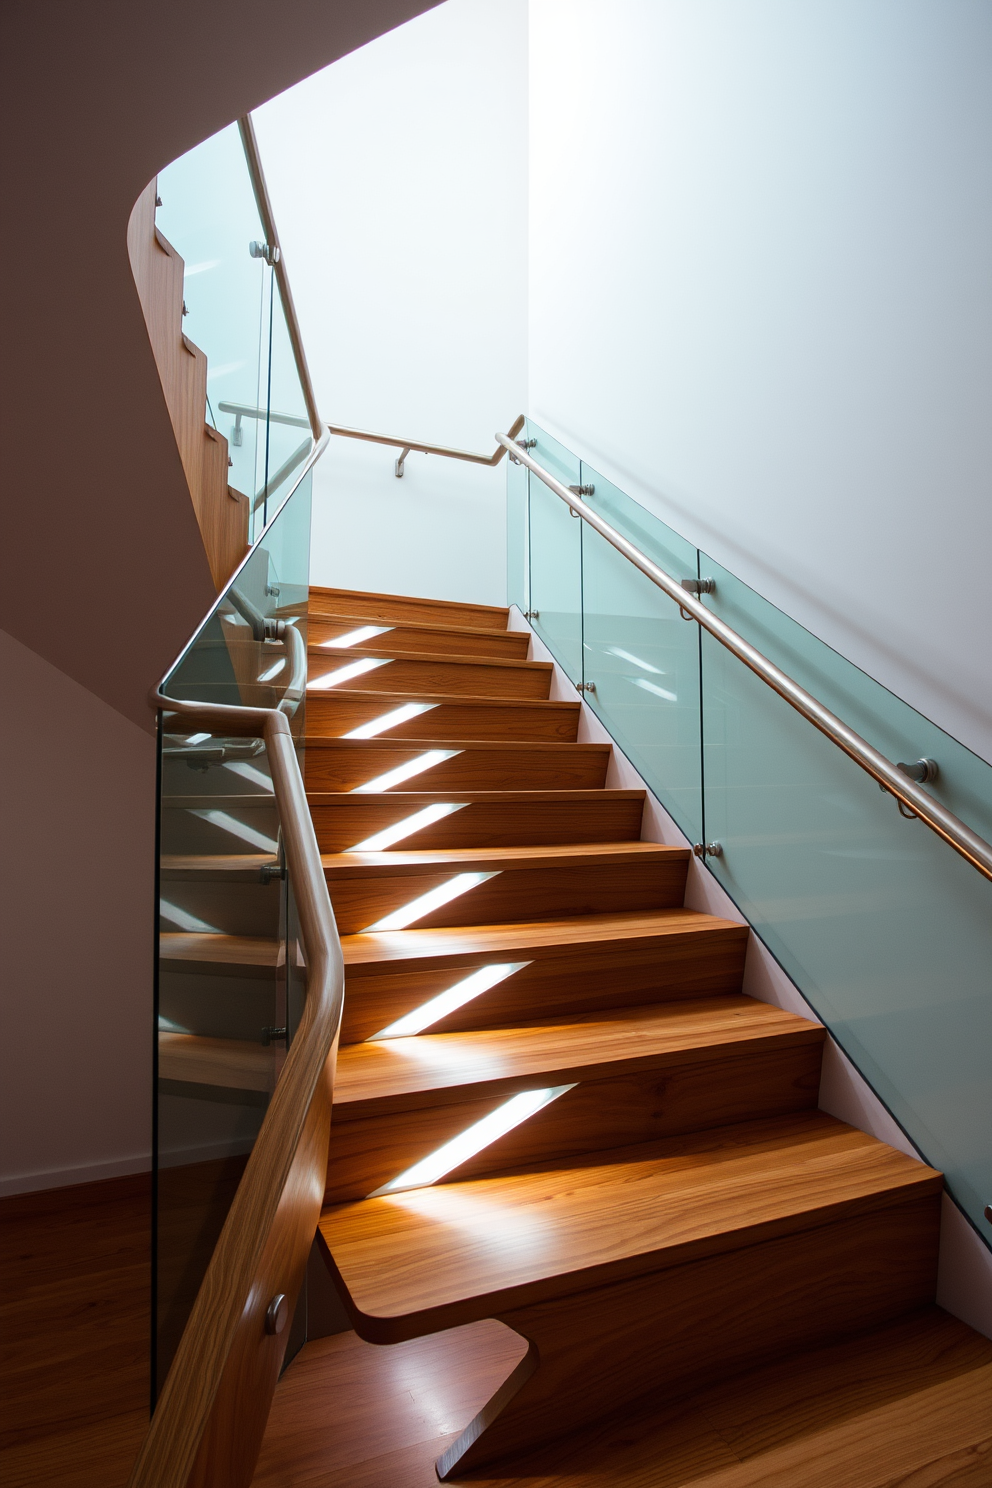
(438, 1257)
(699, 1323)
(74, 1333)
(405, 608)
(432, 640)
(609, 1110)
(477, 677)
(580, 880)
(348, 764)
(485, 818)
(906, 1405)
(335, 713)
(233, 1064)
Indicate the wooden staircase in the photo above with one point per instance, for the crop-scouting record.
(554, 1107)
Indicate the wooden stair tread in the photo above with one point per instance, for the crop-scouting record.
(376, 1075)
(459, 1251)
(548, 747)
(465, 944)
(455, 715)
(402, 633)
(416, 799)
(392, 861)
(233, 1064)
(357, 653)
(223, 867)
(190, 951)
(368, 604)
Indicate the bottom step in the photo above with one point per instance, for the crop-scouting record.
(910, 1404)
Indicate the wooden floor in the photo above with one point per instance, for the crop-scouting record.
(897, 1410)
(74, 1333)
(909, 1408)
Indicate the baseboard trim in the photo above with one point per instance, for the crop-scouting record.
(120, 1167)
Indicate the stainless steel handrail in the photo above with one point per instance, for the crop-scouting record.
(954, 832)
(406, 445)
(250, 143)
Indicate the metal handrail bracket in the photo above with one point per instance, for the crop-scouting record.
(955, 833)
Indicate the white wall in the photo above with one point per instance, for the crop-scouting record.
(389, 173)
(79, 826)
(761, 302)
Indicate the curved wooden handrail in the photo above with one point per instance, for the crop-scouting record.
(201, 1433)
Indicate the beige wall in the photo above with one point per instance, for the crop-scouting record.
(104, 574)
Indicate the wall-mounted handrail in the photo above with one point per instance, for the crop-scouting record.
(407, 445)
(229, 1353)
(250, 143)
(954, 832)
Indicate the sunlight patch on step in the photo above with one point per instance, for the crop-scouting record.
(347, 673)
(629, 656)
(477, 1137)
(406, 771)
(356, 637)
(198, 738)
(448, 1002)
(273, 671)
(183, 920)
(400, 830)
(252, 773)
(393, 719)
(670, 697)
(425, 904)
(236, 828)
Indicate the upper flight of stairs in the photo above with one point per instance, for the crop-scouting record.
(677, 1211)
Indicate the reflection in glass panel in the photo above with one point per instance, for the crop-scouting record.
(230, 979)
(641, 655)
(556, 556)
(885, 929)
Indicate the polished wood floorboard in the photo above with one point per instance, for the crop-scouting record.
(909, 1406)
(74, 1333)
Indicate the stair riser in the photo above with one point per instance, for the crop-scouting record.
(505, 645)
(674, 1332)
(331, 769)
(341, 710)
(598, 1114)
(514, 894)
(572, 979)
(481, 824)
(404, 609)
(450, 678)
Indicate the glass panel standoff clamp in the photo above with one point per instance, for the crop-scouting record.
(580, 491)
(585, 687)
(271, 252)
(696, 586)
(704, 850)
(273, 1035)
(532, 614)
(525, 443)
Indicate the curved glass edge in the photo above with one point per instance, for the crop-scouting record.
(230, 980)
(884, 929)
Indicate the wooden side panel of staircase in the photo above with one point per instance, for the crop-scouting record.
(158, 273)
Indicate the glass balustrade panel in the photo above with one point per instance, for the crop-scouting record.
(884, 928)
(555, 547)
(230, 976)
(640, 655)
(517, 556)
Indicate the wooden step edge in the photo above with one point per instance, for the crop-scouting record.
(356, 653)
(397, 862)
(399, 1088)
(324, 741)
(429, 950)
(324, 591)
(438, 699)
(881, 1183)
(591, 797)
(356, 621)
